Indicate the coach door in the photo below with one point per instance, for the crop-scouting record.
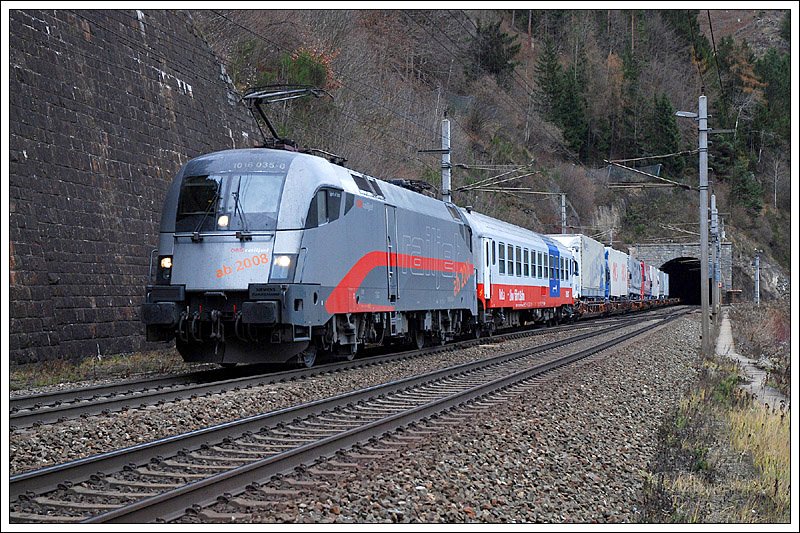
(391, 251)
(486, 265)
(555, 282)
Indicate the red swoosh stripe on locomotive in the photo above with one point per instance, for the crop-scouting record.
(343, 297)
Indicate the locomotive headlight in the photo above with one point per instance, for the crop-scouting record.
(222, 221)
(164, 273)
(283, 267)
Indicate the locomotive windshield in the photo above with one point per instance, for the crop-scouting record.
(224, 202)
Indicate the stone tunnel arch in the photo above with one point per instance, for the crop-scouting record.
(682, 262)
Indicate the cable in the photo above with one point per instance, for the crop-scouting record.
(716, 60)
(524, 112)
(685, 152)
(140, 46)
(379, 103)
(150, 51)
(692, 22)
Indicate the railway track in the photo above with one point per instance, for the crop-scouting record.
(27, 411)
(161, 479)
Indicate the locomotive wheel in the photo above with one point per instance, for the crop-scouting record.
(308, 357)
(419, 339)
(346, 352)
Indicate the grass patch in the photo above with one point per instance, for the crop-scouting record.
(764, 434)
(50, 373)
(720, 457)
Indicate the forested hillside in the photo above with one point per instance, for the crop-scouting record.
(546, 98)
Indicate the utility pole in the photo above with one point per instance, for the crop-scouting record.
(446, 159)
(702, 129)
(563, 214)
(758, 278)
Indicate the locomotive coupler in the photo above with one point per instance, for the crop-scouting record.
(217, 327)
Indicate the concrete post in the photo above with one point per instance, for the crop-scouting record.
(702, 128)
(446, 160)
(758, 278)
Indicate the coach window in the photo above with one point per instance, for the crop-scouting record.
(494, 255)
(534, 260)
(502, 258)
(510, 259)
(527, 259)
(519, 261)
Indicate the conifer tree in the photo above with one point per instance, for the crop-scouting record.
(493, 51)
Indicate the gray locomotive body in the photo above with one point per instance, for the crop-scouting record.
(269, 256)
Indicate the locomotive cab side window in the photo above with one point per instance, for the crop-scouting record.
(325, 207)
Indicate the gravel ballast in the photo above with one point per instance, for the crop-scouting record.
(574, 450)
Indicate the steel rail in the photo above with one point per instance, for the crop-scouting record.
(184, 386)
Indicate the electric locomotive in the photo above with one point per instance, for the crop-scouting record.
(271, 255)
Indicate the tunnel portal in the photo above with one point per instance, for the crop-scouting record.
(684, 279)
(682, 262)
